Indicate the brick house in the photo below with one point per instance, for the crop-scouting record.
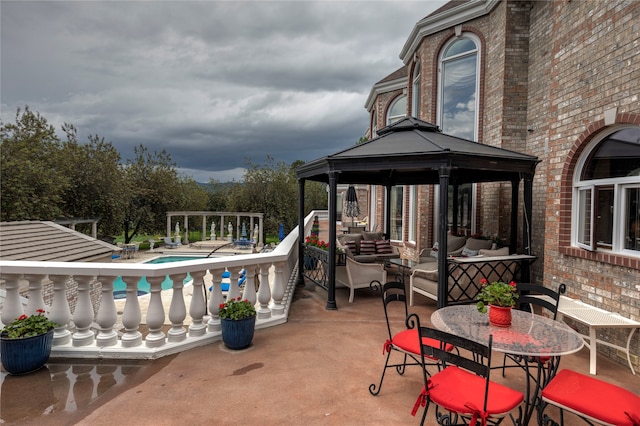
(556, 79)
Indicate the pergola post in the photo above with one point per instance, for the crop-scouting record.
(443, 275)
(331, 290)
(387, 210)
(513, 237)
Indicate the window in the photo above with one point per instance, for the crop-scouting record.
(458, 86)
(415, 93)
(398, 110)
(374, 125)
(397, 212)
(606, 194)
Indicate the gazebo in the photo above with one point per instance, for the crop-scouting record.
(414, 152)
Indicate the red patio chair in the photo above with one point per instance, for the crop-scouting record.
(591, 399)
(463, 388)
(405, 341)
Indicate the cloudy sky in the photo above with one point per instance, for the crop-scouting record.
(214, 83)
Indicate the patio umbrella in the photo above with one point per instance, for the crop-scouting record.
(281, 232)
(352, 209)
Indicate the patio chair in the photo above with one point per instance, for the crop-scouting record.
(169, 243)
(591, 399)
(463, 387)
(405, 341)
(530, 296)
(360, 275)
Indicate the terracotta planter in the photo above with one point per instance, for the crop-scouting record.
(238, 334)
(22, 356)
(500, 316)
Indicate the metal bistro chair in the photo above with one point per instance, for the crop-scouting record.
(463, 387)
(530, 296)
(404, 341)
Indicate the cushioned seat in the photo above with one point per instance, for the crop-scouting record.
(592, 399)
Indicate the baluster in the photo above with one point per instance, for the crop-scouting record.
(12, 307)
(279, 285)
(234, 291)
(177, 309)
(35, 301)
(264, 292)
(131, 316)
(107, 314)
(60, 312)
(216, 299)
(249, 292)
(155, 314)
(197, 308)
(83, 315)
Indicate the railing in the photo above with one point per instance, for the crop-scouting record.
(91, 332)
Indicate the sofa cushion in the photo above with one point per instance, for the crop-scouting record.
(476, 244)
(383, 247)
(428, 271)
(351, 245)
(455, 243)
(367, 247)
(372, 236)
(351, 237)
(504, 251)
(467, 252)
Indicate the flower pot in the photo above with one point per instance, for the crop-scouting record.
(24, 355)
(238, 334)
(500, 316)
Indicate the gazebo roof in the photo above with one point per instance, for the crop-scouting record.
(412, 151)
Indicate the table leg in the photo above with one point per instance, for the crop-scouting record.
(593, 350)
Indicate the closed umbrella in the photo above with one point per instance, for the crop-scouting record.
(352, 209)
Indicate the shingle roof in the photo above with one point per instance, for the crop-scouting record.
(47, 241)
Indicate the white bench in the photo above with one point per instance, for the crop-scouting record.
(596, 318)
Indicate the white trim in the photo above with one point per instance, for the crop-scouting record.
(380, 88)
(442, 21)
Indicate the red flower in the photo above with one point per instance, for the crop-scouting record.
(484, 281)
(221, 306)
(512, 283)
(22, 317)
(40, 311)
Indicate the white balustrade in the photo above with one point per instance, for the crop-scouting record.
(87, 334)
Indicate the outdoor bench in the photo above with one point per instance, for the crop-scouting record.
(597, 318)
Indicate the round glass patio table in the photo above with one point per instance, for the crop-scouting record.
(528, 335)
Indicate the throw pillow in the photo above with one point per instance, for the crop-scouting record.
(467, 252)
(351, 245)
(504, 251)
(371, 236)
(434, 250)
(383, 247)
(367, 247)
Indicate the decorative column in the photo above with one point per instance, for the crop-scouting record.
(197, 308)
(12, 307)
(60, 312)
(132, 316)
(234, 291)
(216, 299)
(83, 314)
(249, 292)
(279, 285)
(35, 301)
(186, 230)
(177, 309)
(107, 314)
(204, 227)
(155, 314)
(264, 292)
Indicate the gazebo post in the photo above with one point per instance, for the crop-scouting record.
(331, 288)
(387, 208)
(513, 237)
(300, 279)
(444, 172)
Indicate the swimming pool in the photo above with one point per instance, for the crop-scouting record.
(120, 287)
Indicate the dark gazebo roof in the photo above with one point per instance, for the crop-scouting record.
(412, 151)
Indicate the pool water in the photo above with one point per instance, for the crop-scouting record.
(120, 287)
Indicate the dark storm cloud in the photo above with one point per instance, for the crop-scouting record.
(216, 84)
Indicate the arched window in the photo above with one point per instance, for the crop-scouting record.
(398, 109)
(458, 87)
(374, 125)
(415, 92)
(606, 193)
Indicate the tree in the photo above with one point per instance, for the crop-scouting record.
(95, 182)
(32, 169)
(152, 188)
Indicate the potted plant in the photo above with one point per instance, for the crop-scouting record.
(25, 344)
(501, 298)
(237, 320)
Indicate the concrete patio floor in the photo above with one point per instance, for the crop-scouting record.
(314, 370)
